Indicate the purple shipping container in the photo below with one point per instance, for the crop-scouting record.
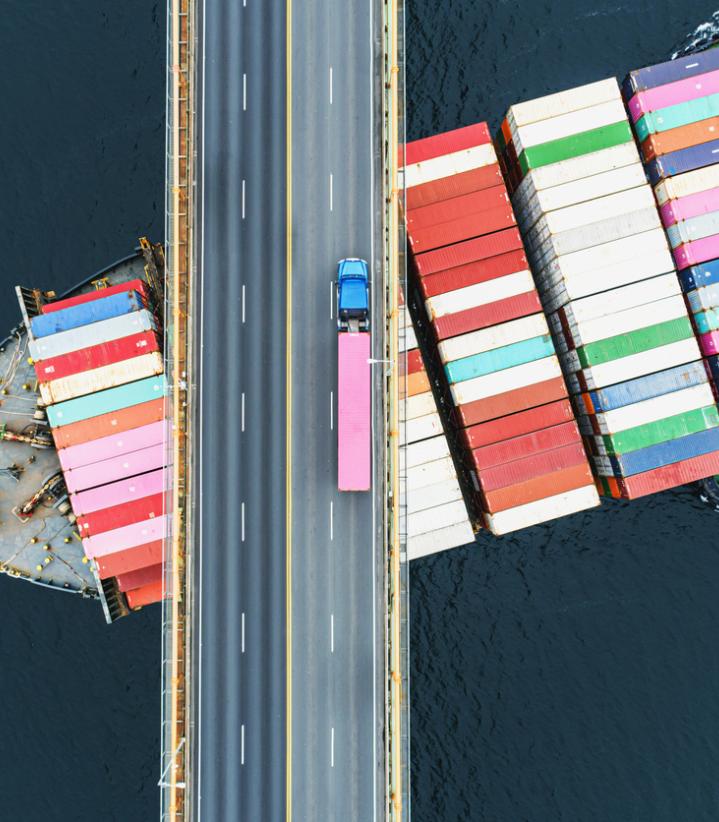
(118, 493)
(129, 536)
(672, 94)
(670, 72)
(685, 159)
(115, 468)
(78, 456)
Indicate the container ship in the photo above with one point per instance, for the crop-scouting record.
(563, 281)
(83, 432)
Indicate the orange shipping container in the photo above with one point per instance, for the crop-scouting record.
(546, 485)
(114, 422)
(676, 139)
(144, 596)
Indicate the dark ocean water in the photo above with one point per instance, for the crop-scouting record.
(569, 673)
(81, 177)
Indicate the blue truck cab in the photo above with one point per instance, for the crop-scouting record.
(352, 295)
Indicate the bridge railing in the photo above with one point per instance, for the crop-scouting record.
(174, 779)
(397, 625)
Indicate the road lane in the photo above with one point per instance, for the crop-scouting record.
(240, 625)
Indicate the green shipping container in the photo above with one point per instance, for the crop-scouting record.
(670, 428)
(679, 115)
(103, 402)
(624, 345)
(575, 145)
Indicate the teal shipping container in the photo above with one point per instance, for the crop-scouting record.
(103, 402)
(497, 359)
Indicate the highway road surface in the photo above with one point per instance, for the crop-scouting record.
(288, 638)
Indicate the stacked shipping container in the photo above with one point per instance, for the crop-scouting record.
(520, 439)
(609, 287)
(436, 512)
(100, 373)
(674, 109)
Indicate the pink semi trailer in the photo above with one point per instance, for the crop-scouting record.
(354, 393)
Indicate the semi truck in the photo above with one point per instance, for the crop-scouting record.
(354, 407)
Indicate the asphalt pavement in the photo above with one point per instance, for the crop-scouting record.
(249, 705)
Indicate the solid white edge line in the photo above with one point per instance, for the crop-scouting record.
(201, 393)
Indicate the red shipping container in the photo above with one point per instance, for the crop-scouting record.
(482, 316)
(479, 248)
(90, 296)
(145, 595)
(519, 399)
(139, 578)
(535, 442)
(535, 465)
(117, 516)
(448, 142)
(479, 271)
(523, 422)
(454, 186)
(546, 485)
(96, 356)
(151, 553)
(476, 202)
(464, 228)
(414, 363)
(669, 476)
(114, 422)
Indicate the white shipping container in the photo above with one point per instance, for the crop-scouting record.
(564, 125)
(442, 540)
(595, 211)
(431, 496)
(407, 340)
(691, 182)
(440, 516)
(420, 428)
(597, 234)
(542, 510)
(496, 336)
(418, 405)
(577, 168)
(99, 379)
(93, 334)
(480, 294)
(622, 298)
(419, 453)
(602, 466)
(654, 409)
(430, 474)
(547, 200)
(623, 322)
(590, 282)
(448, 164)
(507, 380)
(646, 362)
(562, 102)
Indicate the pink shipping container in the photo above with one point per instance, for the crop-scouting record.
(118, 493)
(77, 456)
(698, 251)
(709, 343)
(672, 94)
(693, 205)
(115, 468)
(354, 424)
(139, 533)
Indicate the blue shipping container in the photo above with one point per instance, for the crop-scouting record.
(665, 453)
(105, 308)
(669, 72)
(697, 276)
(103, 402)
(712, 364)
(686, 159)
(478, 365)
(645, 388)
